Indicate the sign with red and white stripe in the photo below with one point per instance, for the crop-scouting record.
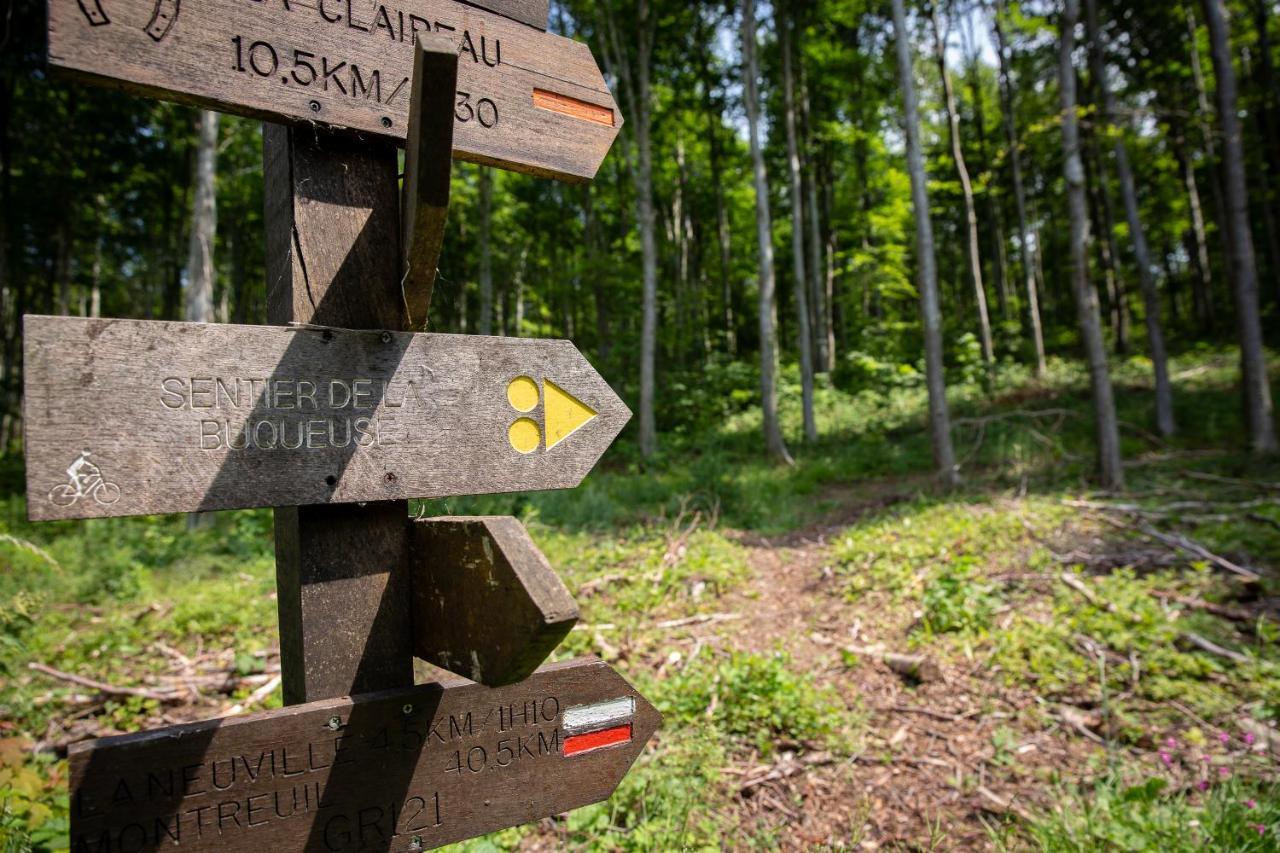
(598, 725)
(402, 770)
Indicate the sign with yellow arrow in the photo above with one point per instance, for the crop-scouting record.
(129, 417)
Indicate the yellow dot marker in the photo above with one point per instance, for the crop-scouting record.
(522, 394)
(524, 434)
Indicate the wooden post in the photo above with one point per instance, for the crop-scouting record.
(333, 259)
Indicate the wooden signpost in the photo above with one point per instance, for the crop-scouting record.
(525, 99)
(336, 415)
(190, 416)
(397, 770)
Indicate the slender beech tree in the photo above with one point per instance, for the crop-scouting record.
(485, 324)
(966, 189)
(1110, 468)
(926, 261)
(774, 444)
(204, 221)
(1253, 365)
(1137, 233)
(804, 336)
(1019, 194)
(204, 229)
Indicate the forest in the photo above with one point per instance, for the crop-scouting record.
(949, 513)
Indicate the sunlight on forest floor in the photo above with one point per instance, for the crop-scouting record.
(843, 653)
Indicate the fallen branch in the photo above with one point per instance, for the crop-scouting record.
(1230, 613)
(595, 584)
(103, 687)
(1079, 586)
(928, 712)
(915, 667)
(1004, 805)
(1178, 542)
(1218, 478)
(1213, 648)
(697, 620)
(254, 698)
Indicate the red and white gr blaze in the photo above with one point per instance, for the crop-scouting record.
(596, 726)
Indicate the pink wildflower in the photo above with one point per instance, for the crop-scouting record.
(1250, 804)
(1261, 827)
(1249, 738)
(1203, 784)
(1171, 743)
(1223, 737)
(1224, 772)
(1166, 758)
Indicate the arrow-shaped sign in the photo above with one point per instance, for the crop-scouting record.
(129, 417)
(403, 770)
(526, 99)
(486, 603)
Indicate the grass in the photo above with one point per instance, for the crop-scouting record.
(972, 576)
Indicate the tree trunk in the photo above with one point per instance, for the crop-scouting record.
(1019, 195)
(1104, 408)
(774, 444)
(926, 263)
(1117, 294)
(1208, 134)
(804, 337)
(1253, 366)
(824, 328)
(648, 239)
(1165, 425)
(204, 230)
(604, 338)
(966, 187)
(1113, 285)
(204, 222)
(485, 322)
(714, 115)
(1202, 282)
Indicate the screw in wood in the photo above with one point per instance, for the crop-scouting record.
(315, 106)
(335, 723)
(386, 337)
(386, 122)
(408, 709)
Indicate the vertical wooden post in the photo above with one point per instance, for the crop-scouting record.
(333, 259)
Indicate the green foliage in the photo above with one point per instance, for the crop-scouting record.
(761, 698)
(1113, 815)
(955, 600)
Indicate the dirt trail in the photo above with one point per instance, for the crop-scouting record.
(926, 772)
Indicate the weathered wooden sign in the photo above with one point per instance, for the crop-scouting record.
(128, 417)
(467, 571)
(399, 770)
(526, 100)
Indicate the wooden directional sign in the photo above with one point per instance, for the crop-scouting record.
(400, 770)
(486, 603)
(129, 417)
(526, 100)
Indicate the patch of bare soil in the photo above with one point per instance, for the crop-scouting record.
(926, 772)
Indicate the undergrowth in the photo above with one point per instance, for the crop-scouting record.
(639, 543)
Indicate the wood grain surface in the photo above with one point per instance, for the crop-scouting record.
(342, 571)
(486, 603)
(179, 417)
(399, 770)
(343, 64)
(428, 171)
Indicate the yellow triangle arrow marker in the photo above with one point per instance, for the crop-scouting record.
(565, 414)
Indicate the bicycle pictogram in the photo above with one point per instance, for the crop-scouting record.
(85, 481)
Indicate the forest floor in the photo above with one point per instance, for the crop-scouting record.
(846, 656)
